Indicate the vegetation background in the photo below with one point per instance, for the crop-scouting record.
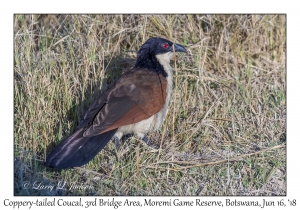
(225, 132)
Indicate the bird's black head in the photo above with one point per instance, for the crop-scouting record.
(153, 47)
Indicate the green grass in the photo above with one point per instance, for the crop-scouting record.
(229, 100)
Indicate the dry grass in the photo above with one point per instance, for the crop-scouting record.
(225, 132)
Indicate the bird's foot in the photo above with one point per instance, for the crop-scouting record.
(147, 141)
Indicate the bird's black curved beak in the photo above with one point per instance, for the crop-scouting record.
(179, 48)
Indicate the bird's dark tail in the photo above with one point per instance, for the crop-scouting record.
(77, 150)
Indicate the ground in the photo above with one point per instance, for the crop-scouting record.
(225, 132)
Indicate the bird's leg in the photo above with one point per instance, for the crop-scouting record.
(117, 142)
(117, 137)
(144, 138)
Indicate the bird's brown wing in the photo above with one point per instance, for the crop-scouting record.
(137, 95)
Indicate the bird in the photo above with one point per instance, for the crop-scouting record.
(136, 103)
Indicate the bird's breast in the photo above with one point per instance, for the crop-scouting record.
(154, 122)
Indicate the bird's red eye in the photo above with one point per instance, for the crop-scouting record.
(165, 45)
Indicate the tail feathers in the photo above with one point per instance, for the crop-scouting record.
(77, 150)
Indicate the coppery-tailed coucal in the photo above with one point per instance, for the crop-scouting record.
(136, 103)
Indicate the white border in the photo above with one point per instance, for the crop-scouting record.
(153, 6)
